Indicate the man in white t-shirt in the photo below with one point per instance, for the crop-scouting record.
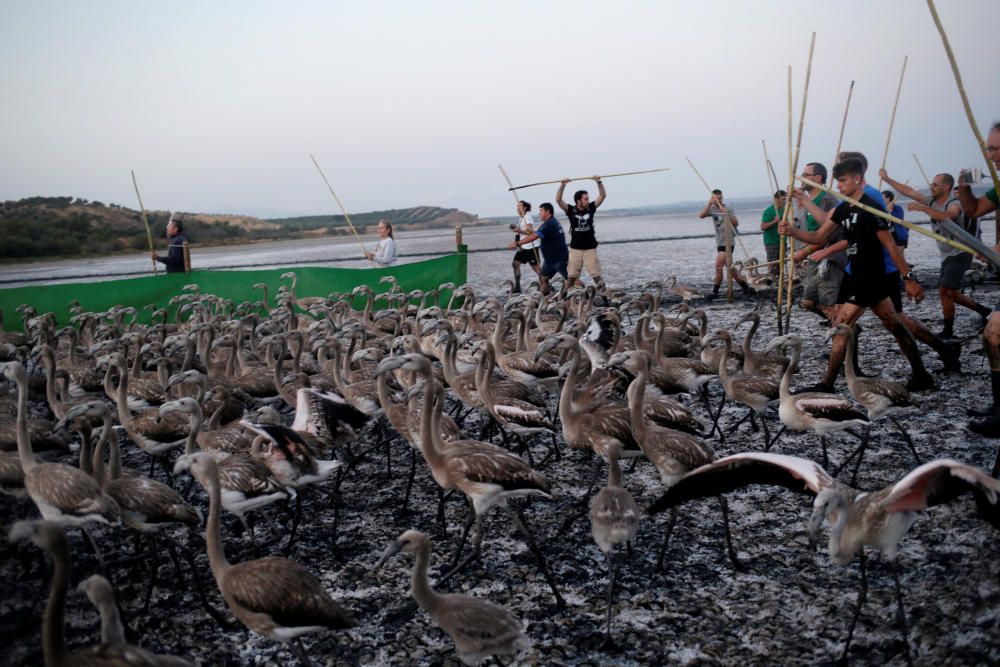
(527, 253)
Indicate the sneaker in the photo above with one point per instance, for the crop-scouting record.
(951, 356)
(920, 383)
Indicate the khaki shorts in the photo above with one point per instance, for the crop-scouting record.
(586, 259)
(819, 290)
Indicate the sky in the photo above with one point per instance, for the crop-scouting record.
(217, 106)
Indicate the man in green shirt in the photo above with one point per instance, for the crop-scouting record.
(769, 220)
(976, 208)
(824, 265)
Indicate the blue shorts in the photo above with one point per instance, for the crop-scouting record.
(550, 269)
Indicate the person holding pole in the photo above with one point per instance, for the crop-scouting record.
(724, 218)
(385, 251)
(769, 220)
(941, 205)
(582, 240)
(174, 259)
(550, 235)
(824, 264)
(527, 253)
(867, 235)
(975, 207)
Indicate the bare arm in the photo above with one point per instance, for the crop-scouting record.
(818, 237)
(601, 193)
(902, 188)
(707, 211)
(559, 195)
(949, 213)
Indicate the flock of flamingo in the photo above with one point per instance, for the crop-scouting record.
(270, 406)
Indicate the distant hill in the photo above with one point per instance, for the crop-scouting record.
(38, 227)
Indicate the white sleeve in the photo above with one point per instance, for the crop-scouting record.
(386, 253)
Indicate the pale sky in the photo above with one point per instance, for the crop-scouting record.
(218, 105)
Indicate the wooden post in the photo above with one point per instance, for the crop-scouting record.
(187, 257)
(458, 238)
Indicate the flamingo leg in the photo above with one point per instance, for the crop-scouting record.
(612, 571)
(409, 483)
(862, 596)
(906, 437)
(901, 613)
(517, 516)
(666, 537)
(733, 558)
(476, 549)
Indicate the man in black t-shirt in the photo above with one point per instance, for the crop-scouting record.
(582, 241)
(866, 234)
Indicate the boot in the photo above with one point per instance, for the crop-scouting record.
(988, 426)
(989, 411)
(951, 353)
(715, 292)
(948, 332)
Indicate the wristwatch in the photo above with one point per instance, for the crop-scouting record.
(909, 276)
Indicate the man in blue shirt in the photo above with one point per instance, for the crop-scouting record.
(555, 256)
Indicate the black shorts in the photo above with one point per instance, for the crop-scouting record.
(953, 269)
(865, 291)
(526, 256)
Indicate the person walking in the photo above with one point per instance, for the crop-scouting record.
(725, 221)
(550, 234)
(940, 206)
(528, 252)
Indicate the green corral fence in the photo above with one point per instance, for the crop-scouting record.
(236, 285)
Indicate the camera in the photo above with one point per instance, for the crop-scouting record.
(965, 176)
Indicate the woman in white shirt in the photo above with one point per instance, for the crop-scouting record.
(528, 252)
(385, 251)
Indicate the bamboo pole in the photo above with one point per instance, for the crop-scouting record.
(149, 234)
(780, 302)
(922, 172)
(772, 180)
(344, 210)
(584, 178)
(892, 119)
(965, 98)
(517, 201)
(882, 214)
(793, 167)
(843, 126)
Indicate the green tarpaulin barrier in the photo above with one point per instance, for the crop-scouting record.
(236, 285)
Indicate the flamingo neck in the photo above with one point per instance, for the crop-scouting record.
(420, 587)
(24, 452)
(53, 641)
(197, 417)
(213, 529)
(636, 395)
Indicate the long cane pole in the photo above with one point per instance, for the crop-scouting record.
(780, 303)
(584, 178)
(343, 210)
(965, 101)
(793, 167)
(772, 180)
(922, 172)
(892, 118)
(843, 126)
(517, 201)
(149, 234)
